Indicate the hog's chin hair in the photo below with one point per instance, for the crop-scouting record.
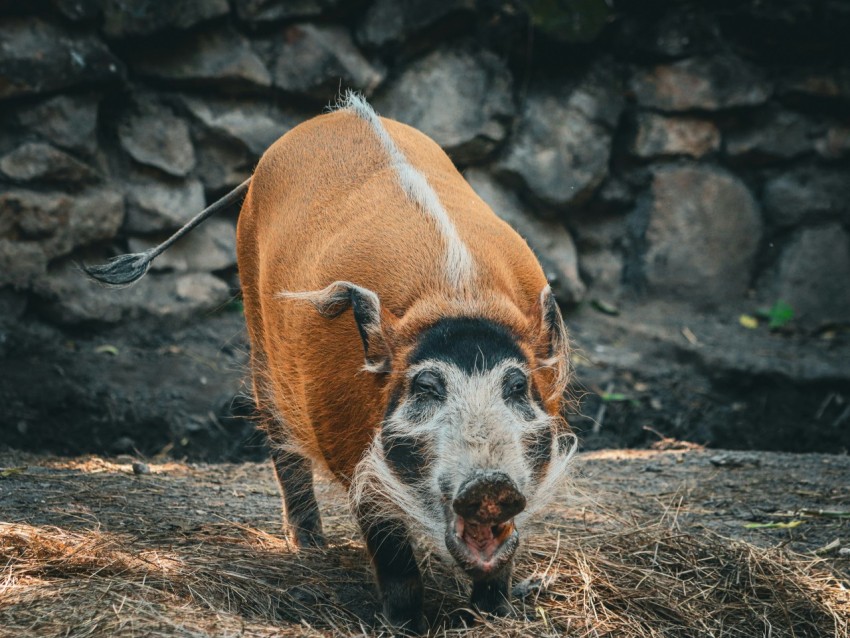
(378, 490)
(552, 484)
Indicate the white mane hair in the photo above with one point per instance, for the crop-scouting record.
(459, 262)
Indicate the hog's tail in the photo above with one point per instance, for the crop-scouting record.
(124, 270)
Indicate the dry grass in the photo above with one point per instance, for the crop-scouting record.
(194, 551)
(232, 580)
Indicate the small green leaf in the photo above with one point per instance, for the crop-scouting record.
(785, 525)
(604, 307)
(614, 396)
(780, 314)
(11, 471)
(107, 349)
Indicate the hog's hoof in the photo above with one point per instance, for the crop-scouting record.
(409, 626)
(405, 622)
(306, 532)
(307, 539)
(492, 597)
(403, 606)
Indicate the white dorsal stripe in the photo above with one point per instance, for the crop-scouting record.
(459, 262)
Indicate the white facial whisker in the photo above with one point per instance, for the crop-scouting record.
(474, 427)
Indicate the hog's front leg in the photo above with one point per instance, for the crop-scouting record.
(492, 595)
(399, 580)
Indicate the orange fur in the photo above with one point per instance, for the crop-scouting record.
(325, 205)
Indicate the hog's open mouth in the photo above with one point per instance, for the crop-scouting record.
(481, 548)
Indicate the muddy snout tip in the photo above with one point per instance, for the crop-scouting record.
(490, 498)
(481, 535)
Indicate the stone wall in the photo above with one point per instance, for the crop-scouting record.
(691, 151)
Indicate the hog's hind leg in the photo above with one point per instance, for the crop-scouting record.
(295, 475)
(302, 519)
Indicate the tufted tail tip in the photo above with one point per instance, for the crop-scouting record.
(122, 270)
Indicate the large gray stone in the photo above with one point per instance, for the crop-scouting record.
(71, 298)
(561, 147)
(807, 192)
(154, 205)
(61, 222)
(211, 246)
(40, 162)
(391, 22)
(682, 31)
(31, 215)
(549, 240)
(94, 215)
(13, 304)
(703, 234)
(597, 230)
(21, 262)
(255, 124)
(123, 18)
(708, 83)
(68, 121)
(152, 135)
(38, 227)
(779, 134)
(600, 236)
(598, 95)
(569, 21)
(36, 57)
(659, 135)
(834, 143)
(603, 270)
(273, 10)
(821, 82)
(79, 10)
(461, 99)
(615, 193)
(317, 61)
(211, 57)
(813, 275)
(222, 164)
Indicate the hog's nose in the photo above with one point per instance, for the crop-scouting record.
(489, 497)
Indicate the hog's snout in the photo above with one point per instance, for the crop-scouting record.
(489, 497)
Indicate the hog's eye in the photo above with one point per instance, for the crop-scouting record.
(428, 384)
(515, 385)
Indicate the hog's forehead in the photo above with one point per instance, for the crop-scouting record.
(472, 344)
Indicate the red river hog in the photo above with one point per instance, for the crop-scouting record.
(403, 339)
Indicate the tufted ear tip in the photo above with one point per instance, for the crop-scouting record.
(552, 343)
(374, 324)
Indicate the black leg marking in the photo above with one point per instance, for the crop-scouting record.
(396, 571)
(493, 595)
(295, 475)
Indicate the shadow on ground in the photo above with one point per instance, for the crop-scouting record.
(644, 543)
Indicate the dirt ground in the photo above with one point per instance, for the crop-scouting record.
(704, 377)
(642, 543)
(148, 385)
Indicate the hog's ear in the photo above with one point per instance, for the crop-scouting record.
(374, 324)
(552, 344)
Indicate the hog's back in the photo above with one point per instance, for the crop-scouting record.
(325, 205)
